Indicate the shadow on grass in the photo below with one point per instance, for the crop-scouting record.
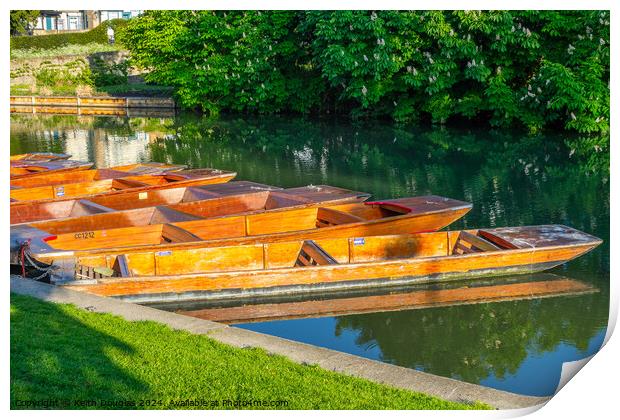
(57, 360)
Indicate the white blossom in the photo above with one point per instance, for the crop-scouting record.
(572, 115)
(364, 90)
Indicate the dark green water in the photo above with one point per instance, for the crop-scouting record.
(512, 179)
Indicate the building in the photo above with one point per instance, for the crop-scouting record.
(54, 21)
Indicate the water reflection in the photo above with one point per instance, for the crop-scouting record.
(512, 179)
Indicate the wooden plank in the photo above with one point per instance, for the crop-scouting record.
(173, 233)
(313, 254)
(329, 217)
(164, 214)
(478, 242)
(123, 266)
(85, 207)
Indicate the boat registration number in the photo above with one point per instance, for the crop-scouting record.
(85, 235)
(60, 191)
(359, 241)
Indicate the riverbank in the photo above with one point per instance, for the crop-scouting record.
(56, 346)
(149, 360)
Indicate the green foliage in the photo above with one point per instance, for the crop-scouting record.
(64, 77)
(23, 20)
(44, 42)
(534, 69)
(62, 353)
(108, 74)
(72, 49)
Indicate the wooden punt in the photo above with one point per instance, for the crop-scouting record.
(128, 183)
(131, 209)
(39, 157)
(23, 169)
(47, 179)
(259, 308)
(193, 228)
(198, 203)
(330, 264)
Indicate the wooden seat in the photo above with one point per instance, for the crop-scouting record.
(87, 207)
(172, 233)
(312, 254)
(468, 243)
(330, 217)
(123, 184)
(121, 266)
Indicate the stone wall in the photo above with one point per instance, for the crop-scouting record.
(22, 69)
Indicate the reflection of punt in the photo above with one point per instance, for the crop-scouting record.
(190, 229)
(133, 209)
(542, 285)
(109, 181)
(341, 263)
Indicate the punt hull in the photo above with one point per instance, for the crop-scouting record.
(102, 188)
(39, 157)
(27, 169)
(236, 230)
(336, 277)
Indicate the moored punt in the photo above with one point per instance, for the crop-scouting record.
(47, 179)
(195, 203)
(130, 183)
(176, 230)
(24, 169)
(136, 208)
(39, 157)
(331, 264)
(254, 307)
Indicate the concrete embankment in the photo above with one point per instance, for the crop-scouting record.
(400, 377)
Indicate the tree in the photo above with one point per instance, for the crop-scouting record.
(534, 69)
(22, 21)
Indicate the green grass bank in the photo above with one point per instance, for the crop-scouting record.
(65, 357)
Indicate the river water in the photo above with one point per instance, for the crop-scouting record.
(511, 178)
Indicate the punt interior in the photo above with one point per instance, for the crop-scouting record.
(92, 175)
(300, 253)
(190, 225)
(26, 169)
(77, 189)
(192, 203)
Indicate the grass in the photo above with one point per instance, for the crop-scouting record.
(72, 49)
(63, 356)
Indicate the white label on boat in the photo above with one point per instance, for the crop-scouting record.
(143, 195)
(60, 191)
(359, 241)
(163, 253)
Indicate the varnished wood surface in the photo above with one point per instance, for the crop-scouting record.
(277, 225)
(422, 257)
(246, 198)
(139, 183)
(24, 169)
(114, 172)
(39, 157)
